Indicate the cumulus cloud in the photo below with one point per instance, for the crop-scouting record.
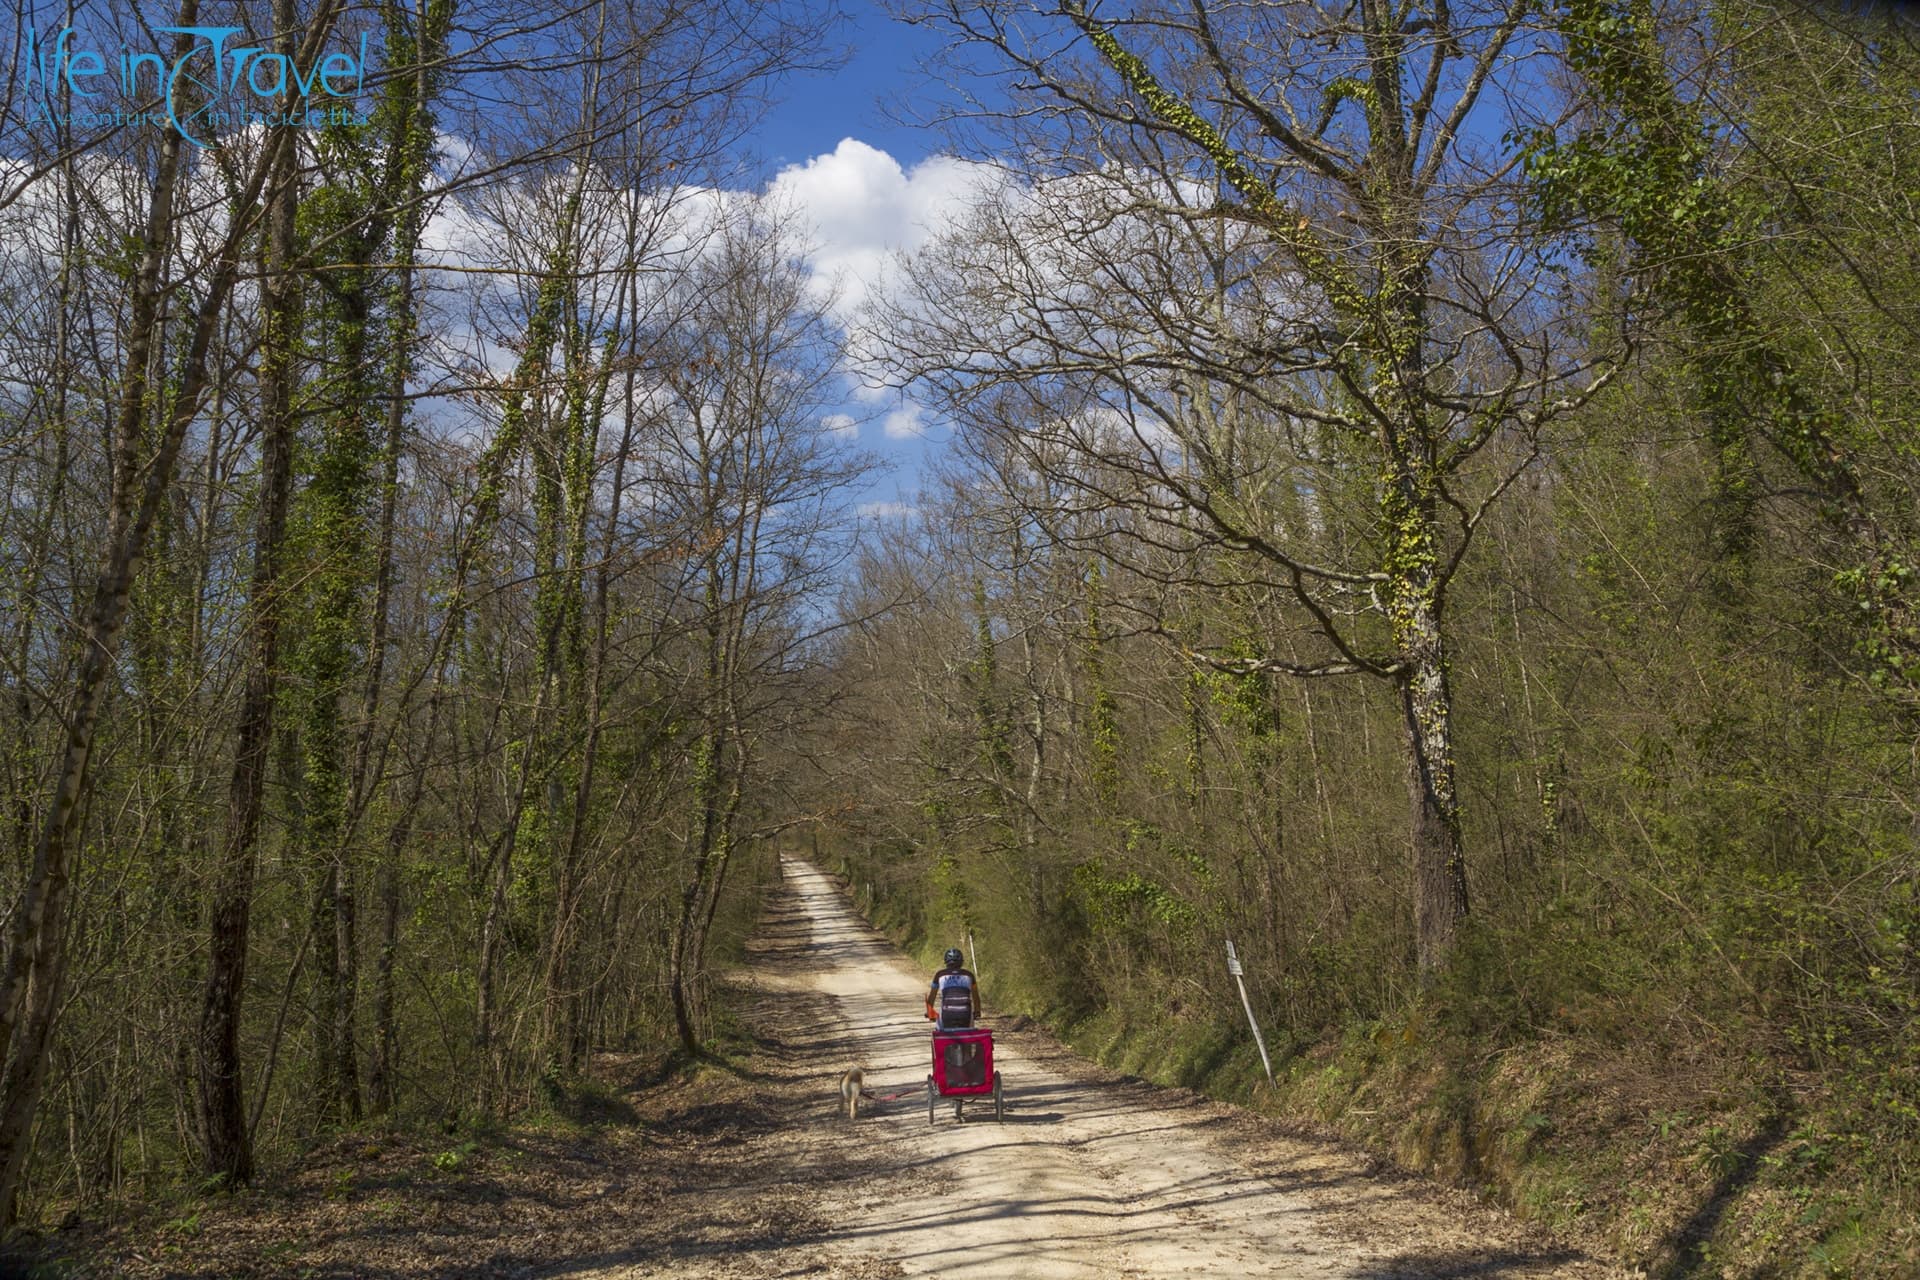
(854, 209)
(860, 207)
(908, 422)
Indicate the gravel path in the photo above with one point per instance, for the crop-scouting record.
(1091, 1175)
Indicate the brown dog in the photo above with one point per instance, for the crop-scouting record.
(852, 1089)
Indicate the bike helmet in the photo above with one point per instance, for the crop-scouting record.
(953, 957)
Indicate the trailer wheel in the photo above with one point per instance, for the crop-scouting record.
(999, 1103)
(931, 1097)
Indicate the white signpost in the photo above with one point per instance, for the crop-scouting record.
(1233, 967)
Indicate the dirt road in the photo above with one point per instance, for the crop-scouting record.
(1089, 1175)
(743, 1170)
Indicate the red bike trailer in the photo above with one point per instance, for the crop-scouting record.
(963, 1069)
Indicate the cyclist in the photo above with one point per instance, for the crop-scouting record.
(953, 998)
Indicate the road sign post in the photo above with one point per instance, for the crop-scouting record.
(1239, 980)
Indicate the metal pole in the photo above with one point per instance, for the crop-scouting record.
(1233, 967)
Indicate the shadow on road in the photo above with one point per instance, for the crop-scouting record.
(1465, 1265)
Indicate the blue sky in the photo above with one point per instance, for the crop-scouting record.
(882, 82)
(841, 145)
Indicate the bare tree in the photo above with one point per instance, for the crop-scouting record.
(755, 476)
(1259, 282)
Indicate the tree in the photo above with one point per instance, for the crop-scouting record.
(1258, 286)
(1645, 165)
(227, 1145)
(223, 352)
(754, 476)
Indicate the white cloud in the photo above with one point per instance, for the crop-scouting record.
(854, 209)
(860, 207)
(908, 422)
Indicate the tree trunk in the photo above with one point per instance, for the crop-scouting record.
(499, 879)
(384, 1050)
(346, 1056)
(227, 1148)
(21, 777)
(566, 1027)
(1416, 591)
(1426, 704)
(689, 942)
(336, 496)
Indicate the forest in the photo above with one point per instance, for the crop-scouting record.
(1429, 493)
